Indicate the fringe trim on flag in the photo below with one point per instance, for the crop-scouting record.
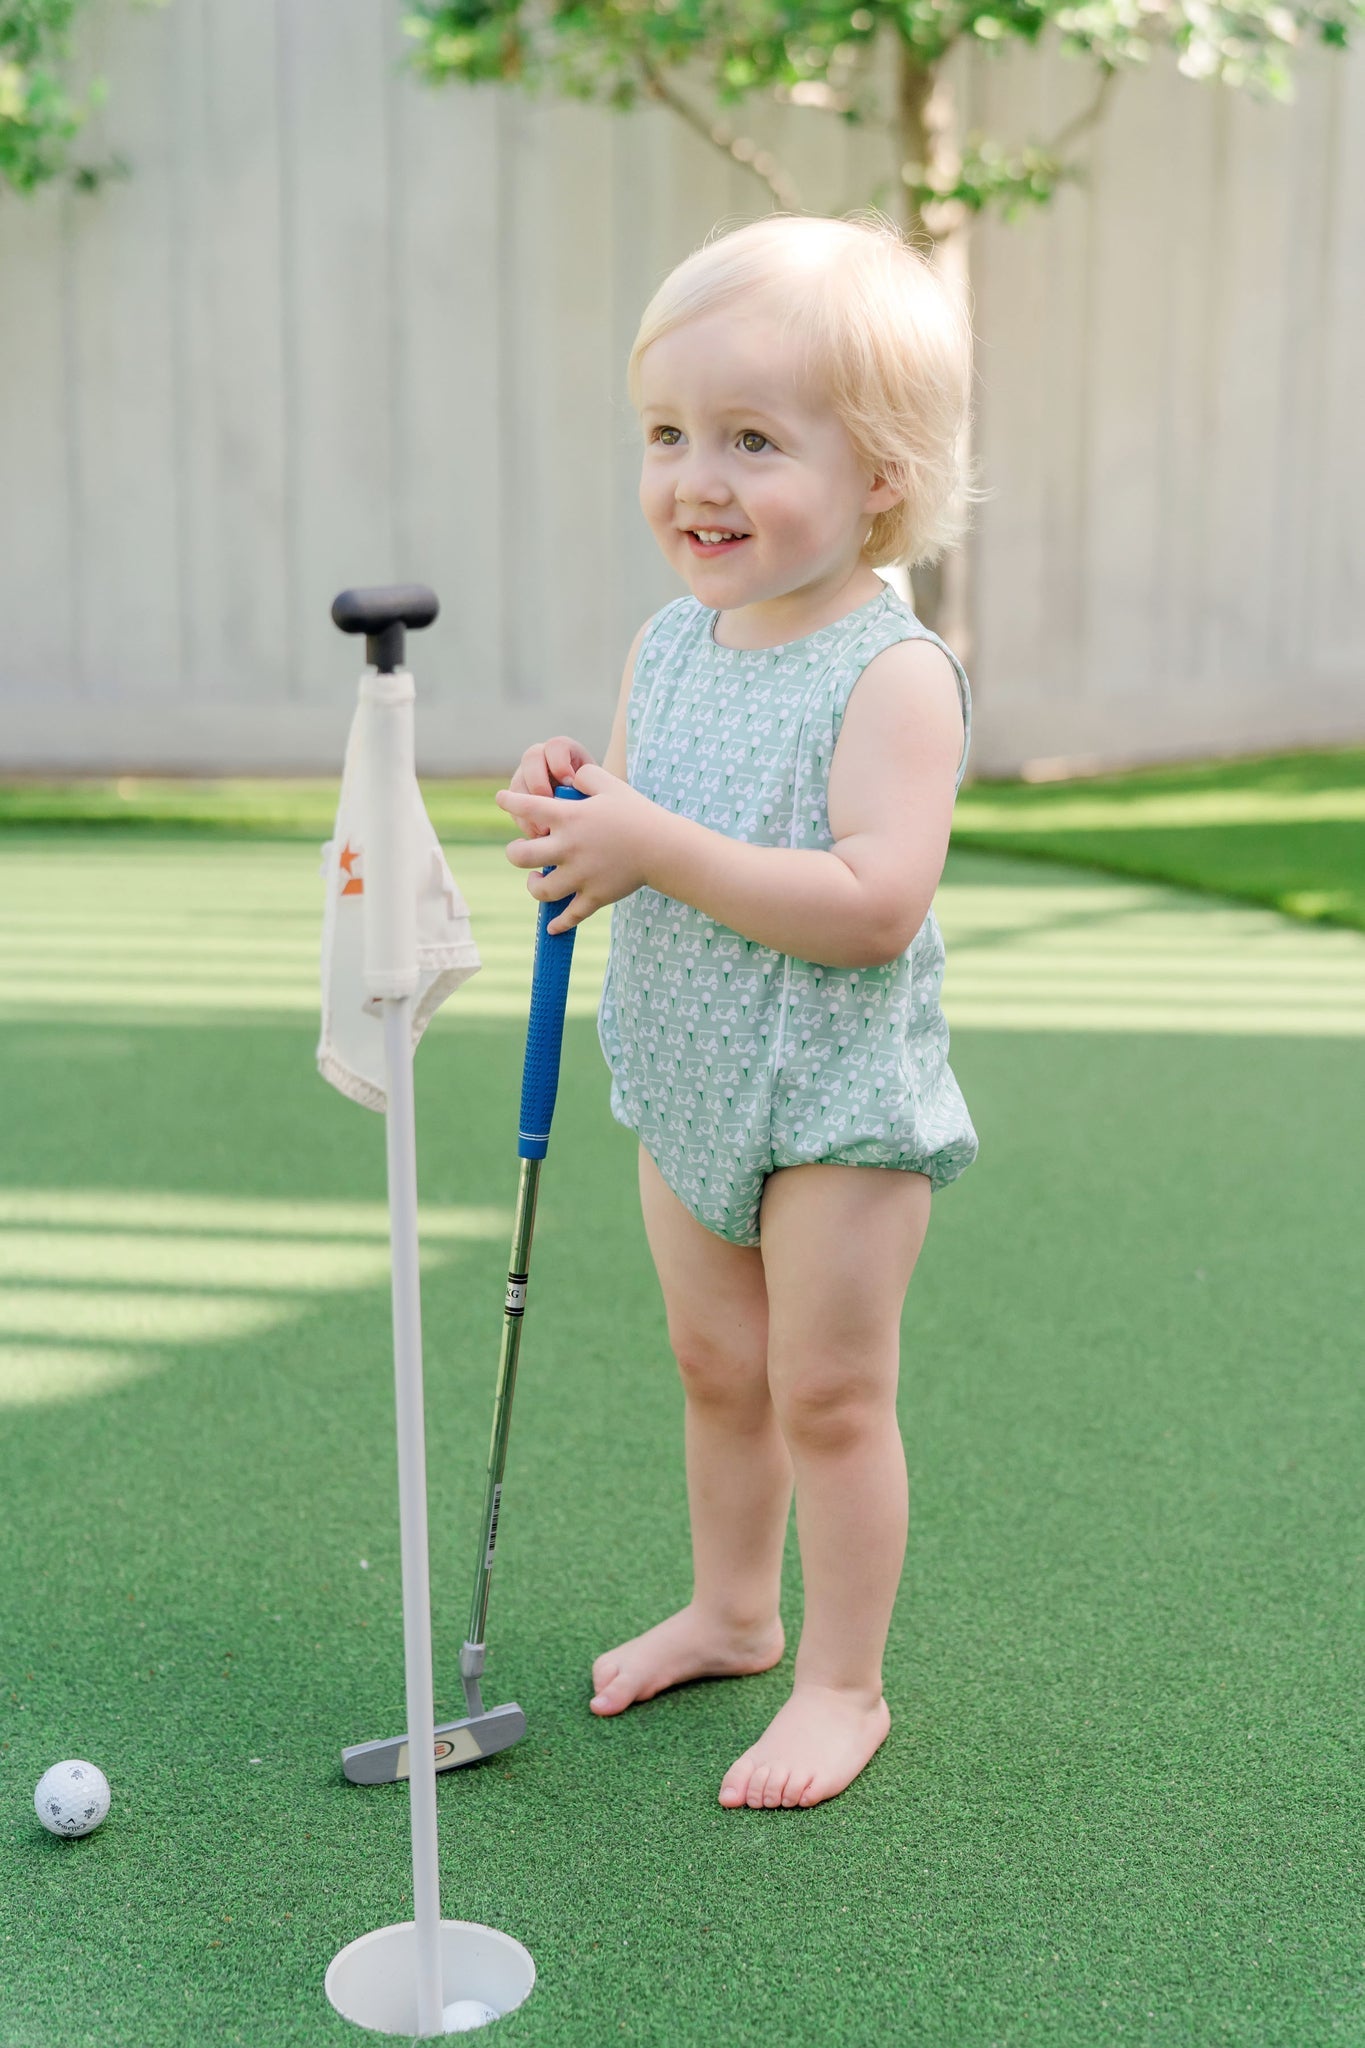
(351, 1085)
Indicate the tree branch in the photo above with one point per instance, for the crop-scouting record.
(1086, 119)
(741, 149)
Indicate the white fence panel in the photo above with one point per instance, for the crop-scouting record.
(1172, 564)
(340, 327)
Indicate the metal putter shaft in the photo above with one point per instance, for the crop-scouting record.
(484, 1731)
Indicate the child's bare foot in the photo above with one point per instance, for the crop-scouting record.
(811, 1749)
(687, 1645)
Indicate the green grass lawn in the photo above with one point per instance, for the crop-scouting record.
(1121, 1801)
(278, 807)
(1285, 829)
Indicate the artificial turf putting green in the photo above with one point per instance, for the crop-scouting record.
(1287, 830)
(1121, 1798)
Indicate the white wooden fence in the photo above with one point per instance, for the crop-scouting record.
(342, 328)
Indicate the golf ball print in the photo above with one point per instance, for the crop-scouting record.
(72, 1798)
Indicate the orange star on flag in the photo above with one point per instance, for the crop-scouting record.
(353, 885)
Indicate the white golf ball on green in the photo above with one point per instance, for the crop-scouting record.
(462, 2015)
(72, 1798)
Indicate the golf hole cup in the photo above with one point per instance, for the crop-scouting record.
(463, 2015)
(373, 1982)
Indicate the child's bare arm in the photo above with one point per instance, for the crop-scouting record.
(890, 800)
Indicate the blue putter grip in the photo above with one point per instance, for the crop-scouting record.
(545, 1031)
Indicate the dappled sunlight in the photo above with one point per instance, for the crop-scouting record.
(152, 1273)
(145, 1259)
(227, 1214)
(1090, 955)
(1116, 811)
(127, 1316)
(31, 1376)
(211, 934)
(192, 934)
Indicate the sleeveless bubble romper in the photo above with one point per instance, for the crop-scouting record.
(729, 1059)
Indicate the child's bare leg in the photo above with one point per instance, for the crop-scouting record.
(739, 1472)
(839, 1246)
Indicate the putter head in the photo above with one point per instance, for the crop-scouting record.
(457, 1742)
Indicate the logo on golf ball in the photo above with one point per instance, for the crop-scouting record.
(72, 1798)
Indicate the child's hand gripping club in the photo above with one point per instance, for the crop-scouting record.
(601, 854)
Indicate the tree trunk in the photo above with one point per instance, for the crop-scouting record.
(941, 590)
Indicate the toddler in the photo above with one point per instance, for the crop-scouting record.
(770, 821)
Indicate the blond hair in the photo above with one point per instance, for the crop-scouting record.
(880, 333)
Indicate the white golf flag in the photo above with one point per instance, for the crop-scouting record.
(351, 1048)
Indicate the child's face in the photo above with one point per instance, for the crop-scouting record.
(734, 442)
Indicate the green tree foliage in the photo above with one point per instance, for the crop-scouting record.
(819, 53)
(40, 117)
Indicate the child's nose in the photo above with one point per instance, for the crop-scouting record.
(703, 484)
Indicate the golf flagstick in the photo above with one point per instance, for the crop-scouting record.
(485, 1731)
(396, 942)
(391, 975)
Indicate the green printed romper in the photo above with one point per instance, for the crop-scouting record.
(729, 1059)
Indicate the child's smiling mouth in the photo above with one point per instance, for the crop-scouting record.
(701, 547)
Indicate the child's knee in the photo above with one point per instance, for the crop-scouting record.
(832, 1396)
(831, 1418)
(720, 1366)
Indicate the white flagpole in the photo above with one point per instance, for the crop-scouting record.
(390, 898)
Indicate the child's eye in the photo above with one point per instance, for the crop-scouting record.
(749, 434)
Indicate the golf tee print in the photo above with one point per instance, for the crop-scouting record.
(727, 1058)
(350, 1050)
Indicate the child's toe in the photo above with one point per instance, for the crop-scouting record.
(797, 1786)
(604, 1669)
(613, 1693)
(758, 1779)
(776, 1785)
(734, 1785)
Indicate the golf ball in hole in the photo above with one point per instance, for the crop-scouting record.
(462, 2015)
(72, 1798)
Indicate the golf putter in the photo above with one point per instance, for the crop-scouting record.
(484, 1731)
